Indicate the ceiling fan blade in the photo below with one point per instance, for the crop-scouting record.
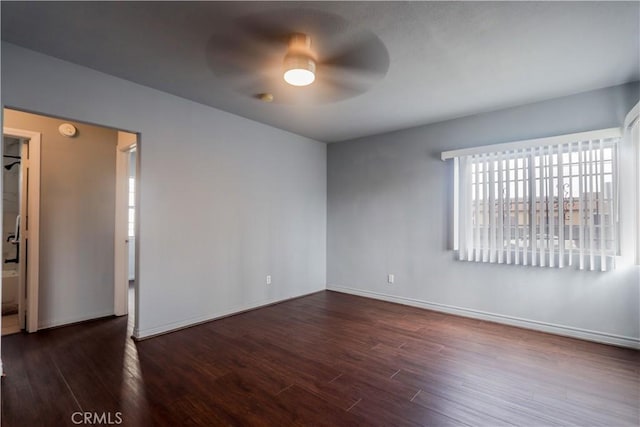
(366, 53)
(354, 82)
(264, 32)
(277, 26)
(335, 90)
(328, 87)
(231, 56)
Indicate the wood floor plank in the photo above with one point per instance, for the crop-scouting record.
(327, 359)
(307, 408)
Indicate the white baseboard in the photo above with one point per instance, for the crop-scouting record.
(52, 323)
(141, 334)
(568, 331)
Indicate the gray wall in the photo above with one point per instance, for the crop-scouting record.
(224, 201)
(389, 211)
(77, 223)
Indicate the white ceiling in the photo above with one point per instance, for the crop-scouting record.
(447, 59)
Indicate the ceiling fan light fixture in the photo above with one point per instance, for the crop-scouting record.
(299, 65)
(299, 70)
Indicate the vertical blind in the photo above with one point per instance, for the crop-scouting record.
(548, 203)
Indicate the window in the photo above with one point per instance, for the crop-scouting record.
(549, 202)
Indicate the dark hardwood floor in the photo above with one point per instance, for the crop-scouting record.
(325, 359)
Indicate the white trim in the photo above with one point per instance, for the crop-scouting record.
(538, 142)
(136, 280)
(456, 201)
(568, 331)
(632, 115)
(33, 273)
(126, 142)
(120, 245)
(140, 334)
(631, 124)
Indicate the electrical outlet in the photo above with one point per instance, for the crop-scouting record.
(390, 279)
(269, 279)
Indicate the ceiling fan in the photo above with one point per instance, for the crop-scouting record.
(297, 56)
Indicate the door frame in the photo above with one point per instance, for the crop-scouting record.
(121, 237)
(29, 227)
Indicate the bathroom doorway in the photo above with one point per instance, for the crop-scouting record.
(80, 193)
(20, 217)
(11, 177)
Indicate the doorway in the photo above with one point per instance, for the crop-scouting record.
(78, 261)
(11, 177)
(20, 223)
